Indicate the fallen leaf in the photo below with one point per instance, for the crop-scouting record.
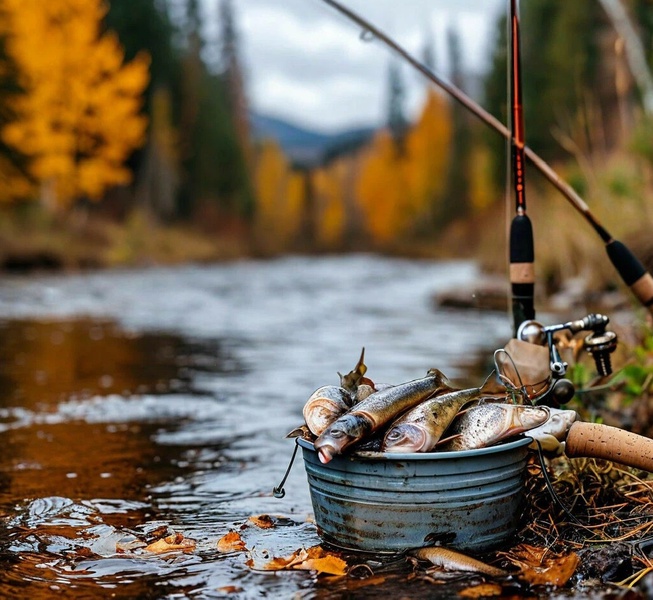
(482, 590)
(278, 563)
(312, 559)
(231, 542)
(330, 565)
(539, 567)
(175, 541)
(262, 521)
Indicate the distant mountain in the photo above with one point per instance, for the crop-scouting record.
(307, 148)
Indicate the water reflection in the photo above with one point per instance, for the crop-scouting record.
(47, 362)
(82, 403)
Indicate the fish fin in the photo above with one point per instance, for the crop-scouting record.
(448, 439)
(301, 431)
(442, 378)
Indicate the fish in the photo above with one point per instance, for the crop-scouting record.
(375, 411)
(324, 406)
(488, 423)
(450, 560)
(420, 429)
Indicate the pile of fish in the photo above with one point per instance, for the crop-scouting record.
(422, 415)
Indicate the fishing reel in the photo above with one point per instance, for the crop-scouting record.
(600, 343)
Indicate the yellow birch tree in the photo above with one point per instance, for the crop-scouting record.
(279, 198)
(79, 117)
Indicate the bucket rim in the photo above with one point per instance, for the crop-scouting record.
(403, 456)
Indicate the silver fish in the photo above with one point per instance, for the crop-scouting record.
(420, 429)
(376, 410)
(488, 423)
(324, 406)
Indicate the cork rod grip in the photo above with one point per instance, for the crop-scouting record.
(609, 443)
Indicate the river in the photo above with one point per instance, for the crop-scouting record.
(141, 401)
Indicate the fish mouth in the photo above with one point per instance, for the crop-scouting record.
(325, 454)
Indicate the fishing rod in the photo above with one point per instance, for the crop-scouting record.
(630, 269)
(522, 249)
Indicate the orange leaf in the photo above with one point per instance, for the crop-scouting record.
(231, 542)
(176, 541)
(262, 521)
(539, 568)
(278, 563)
(557, 571)
(313, 559)
(330, 564)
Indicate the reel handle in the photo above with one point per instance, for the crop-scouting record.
(610, 443)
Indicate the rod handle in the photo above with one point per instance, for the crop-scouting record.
(632, 272)
(595, 440)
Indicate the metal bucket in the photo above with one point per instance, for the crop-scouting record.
(383, 502)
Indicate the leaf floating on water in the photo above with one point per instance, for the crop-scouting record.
(171, 543)
(278, 563)
(323, 562)
(540, 569)
(313, 559)
(483, 590)
(231, 542)
(262, 521)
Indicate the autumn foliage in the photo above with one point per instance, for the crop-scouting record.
(78, 118)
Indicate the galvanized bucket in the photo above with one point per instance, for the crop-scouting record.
(383, 502)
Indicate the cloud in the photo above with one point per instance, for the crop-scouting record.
(306, 63)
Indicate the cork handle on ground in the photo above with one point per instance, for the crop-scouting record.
(610, 443)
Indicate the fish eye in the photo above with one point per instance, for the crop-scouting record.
(337, 433)
(394, 435)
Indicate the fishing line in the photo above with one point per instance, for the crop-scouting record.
(628, 266)
(278, 491)
(549, 486)
(510, 385)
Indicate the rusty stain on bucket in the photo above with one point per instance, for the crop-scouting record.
(383, 502)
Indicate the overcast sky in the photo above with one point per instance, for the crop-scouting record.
(306, 63)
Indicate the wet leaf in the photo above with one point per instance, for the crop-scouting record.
(171, 543)
(539, 567)
(262, 521)
(482, 590)
(278, 563)
(330, 565)
(313, 559)
(231, 542)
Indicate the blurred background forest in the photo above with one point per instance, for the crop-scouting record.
(127, 137)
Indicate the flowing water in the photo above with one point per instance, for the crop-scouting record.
(145, 402)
